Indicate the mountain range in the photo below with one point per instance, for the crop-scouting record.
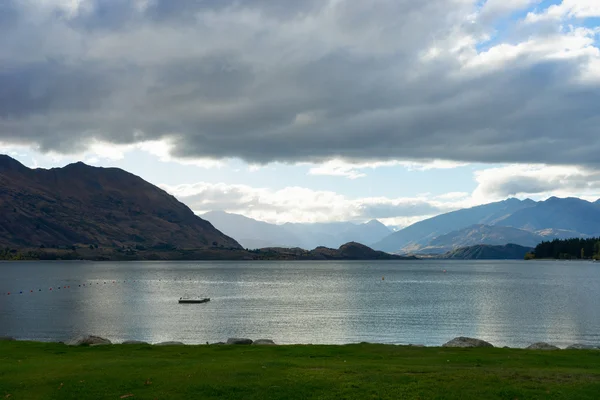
(80, 207)
(512, 221)
(522, 222)
(253, 234)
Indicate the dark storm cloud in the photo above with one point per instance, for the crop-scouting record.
(288, 81)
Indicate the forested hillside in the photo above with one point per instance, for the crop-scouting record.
(569, 249)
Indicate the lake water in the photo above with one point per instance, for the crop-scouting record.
(512, 303)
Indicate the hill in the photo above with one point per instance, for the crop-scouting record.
(574, 248)
(348, 251)
(84, 206)
(480, 235)
(489, 252)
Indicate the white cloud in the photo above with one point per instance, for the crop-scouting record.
(353, 170)
(575, 43)
(428, 165)
(297, 204)
(537, 181)
(567, 9)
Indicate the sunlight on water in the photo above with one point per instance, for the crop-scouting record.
(505, 302)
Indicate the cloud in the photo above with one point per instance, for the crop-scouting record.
(501, 7)
(354, 170)
(292, 81)
(297, 204)
(567, 9)
(537, 181)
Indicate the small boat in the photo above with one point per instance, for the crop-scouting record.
(187, 300)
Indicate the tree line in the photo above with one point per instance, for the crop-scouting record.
(568, 249)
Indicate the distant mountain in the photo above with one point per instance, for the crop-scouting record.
(87, 206)
(253, 234)
(420, 233)
(480, 235)
(250, 233)
(348, 251)
(569, 214)
(554, 218)
(488, 252)
(368, 232)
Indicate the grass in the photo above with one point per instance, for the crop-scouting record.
(30, 370)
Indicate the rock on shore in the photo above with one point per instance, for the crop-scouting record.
(89, 340)
(542, 346)
(239, 341)
(462, 341)
(265, 342)
(169, 344)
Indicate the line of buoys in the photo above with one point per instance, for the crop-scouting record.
(89, 284)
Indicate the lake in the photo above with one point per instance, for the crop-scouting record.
(509, 303)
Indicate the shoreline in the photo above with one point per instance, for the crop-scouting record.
(457, 342)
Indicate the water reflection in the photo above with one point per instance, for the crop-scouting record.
(506, 303)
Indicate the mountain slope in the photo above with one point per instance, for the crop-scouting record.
(250, 233)
(420, 233)
(570, 214)
(85, 205)
(481, 235)
(488, 252)
(369, 232)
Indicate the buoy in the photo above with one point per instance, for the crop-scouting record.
(383, 278)
(444, 270)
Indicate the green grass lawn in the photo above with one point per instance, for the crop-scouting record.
(363, 371)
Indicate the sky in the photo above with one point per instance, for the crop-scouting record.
(315, 110)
